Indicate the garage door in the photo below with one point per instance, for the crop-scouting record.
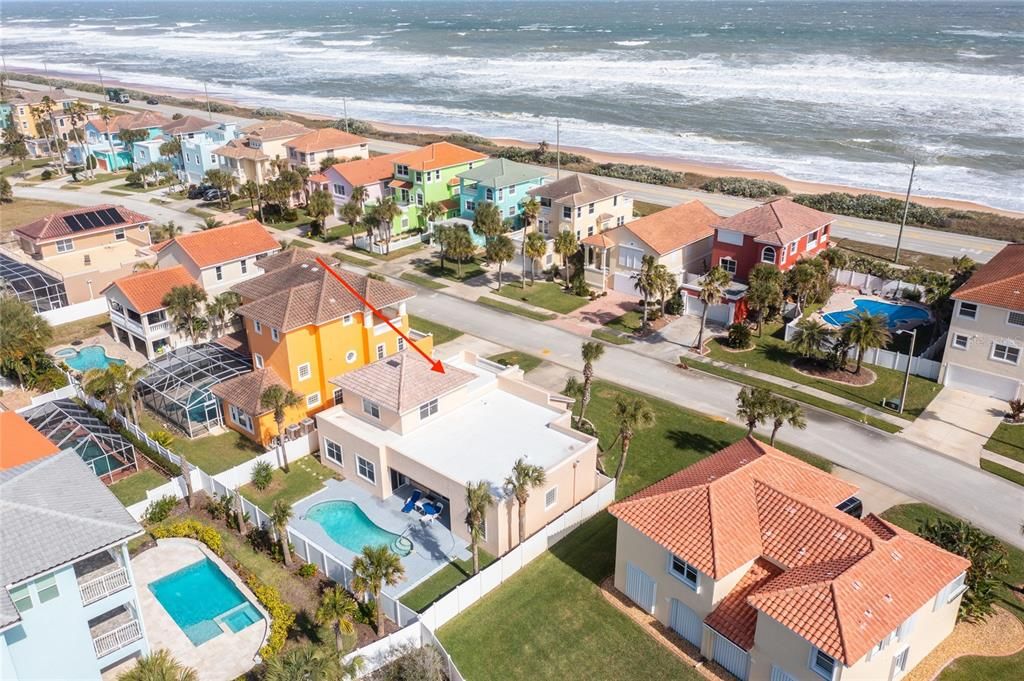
(686, 623)
(717, 314)
(981, 383)
(731, 656)
(640, 587)
(623, 283)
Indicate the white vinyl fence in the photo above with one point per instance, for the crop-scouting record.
(868, 283)
(380, 247)
(68, 391)
(76, 311)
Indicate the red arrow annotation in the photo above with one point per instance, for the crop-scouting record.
(435, 364)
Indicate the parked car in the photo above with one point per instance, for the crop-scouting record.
(198, 191)
(215, 195)
(152, 101)
(852, 506)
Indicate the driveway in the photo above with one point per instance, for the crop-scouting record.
(602, 310)
(958, 424)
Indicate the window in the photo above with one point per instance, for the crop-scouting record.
(402, 170)
(366, 470)
(22, 598)
(304, 371)
(218, 272)
(590, 209)
(119, 234)
(822, 664)
(371, 408)
(619, 221)
(401, 344)
(590, 230)
(339, 396)
(960, 341)
(1015, 319)
(244, 266)
(812, 239)
(768, 255)
(579, 211)
(419, 198)
(419, 176)
(550, 498)
(545, 202)
(65, 246)
(1005, 353)
(511, 189)
(346, 320)
(683, 571)
(257, 359)
(792, 249)
(339, 189)
(567, 212)
(728, 264)
(380, 351)
(257, 327)
(350, 356)
(46, 588)
(240, 418)
(615, 200)
(489, 194)
(511, 211)
(470, 205)
(428, 409)
(950, 592)
(312, 399)
(899, 663)
(275, 335)
(333, 451)
(968, 310)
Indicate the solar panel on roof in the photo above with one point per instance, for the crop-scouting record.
(93, 219)
(72, 222)
(111, 216)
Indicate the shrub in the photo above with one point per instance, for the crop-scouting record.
(193, 529)
(913, 294)
(421, 664)
(133, 178)
(988, 562)
(160, 509)
(356, 127)
(638, 173)
(307, 570)
(674, 306)
(262, 474)
(374, 275)
(46, 174)
(742, 186)
(739, 336)
(161, 437)
(267, 112)
(281, 616)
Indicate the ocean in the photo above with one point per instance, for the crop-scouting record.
(832, 91)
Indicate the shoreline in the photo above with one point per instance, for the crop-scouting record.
(703, 168)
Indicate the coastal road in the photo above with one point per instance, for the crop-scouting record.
(945, 244)
(83, 197)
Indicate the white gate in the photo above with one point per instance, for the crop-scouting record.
(685, 622)
(640, 587)
(731, 656)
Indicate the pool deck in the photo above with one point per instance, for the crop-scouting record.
(844, 299)
(434, 545)
(222, 658)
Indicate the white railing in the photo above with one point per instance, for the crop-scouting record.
(118, 638)
(127, 323)
(160, 327)
(418, 335)
(102, 587)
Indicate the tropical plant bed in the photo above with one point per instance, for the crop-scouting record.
(306, 477)
(816, 369)
(723, 344)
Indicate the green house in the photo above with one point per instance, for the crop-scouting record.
(427, 175)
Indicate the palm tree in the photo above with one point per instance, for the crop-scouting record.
(866, 331)
(811, 336)
(339, 611)
(530, 211)
(280, 516)
(159, 666)
(478, 500)
(632, 414)
(107, 114)
(566, 244)
(184, 306)
(460, 247)
(487, 221)
(279, 400)
(754, 406)
(25, 335)
(665, 285)
(310, 663)
(432, 211)
(221, 308)
(802, 280)
(350, 213)
(500, 249)
(591, 351)
(524, 478)
(359, 195)
(535, 246)
(988, 558)
(376, 567)
(222, 180)
(303, 172)
(645, 281)
(117, 385)
(319, 205)
(129, 138)
(167, 231)
(387, 211)
(783, 412)
(79, 113)
(764, 292)
(712, 287)
(251, 190)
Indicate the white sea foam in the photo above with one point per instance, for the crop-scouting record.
(28, 21)
(986, 34)
(347, 43)
(632, 43)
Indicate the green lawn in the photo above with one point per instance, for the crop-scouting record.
(307, 475)
(443, 581)
(609, 337)
(136, 189)
(22, 211)
(103, 177)
(550, 621)
(393, 255)
(526, 362)
(550, 296)
(1007, 440)
(451, 270)
(79, 330)
(442, 333)
(1002, 471)
(911, 517)
(771, 355)
(300, 220)
(16, 166)
(627, 323)
(132, 490)
(213, 453)
(514, 309)
(419, 280)
(645, 208)
(352, 259)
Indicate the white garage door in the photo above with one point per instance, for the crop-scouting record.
(717, 314)
(731, 656)
(685, 622)
(640, 587)
(623, 283)
(981, 383)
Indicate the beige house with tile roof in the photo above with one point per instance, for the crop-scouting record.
(745, 555)
(252, 155)
(138, 316)
(400, 427)
(310, 149)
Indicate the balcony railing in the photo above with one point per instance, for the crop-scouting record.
(118, 638)
(159, 328)
(418, 335)
(112, 582)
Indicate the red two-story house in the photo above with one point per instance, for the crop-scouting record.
(779, 233)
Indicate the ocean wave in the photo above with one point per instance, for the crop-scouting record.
(347, 43)
(985, 34)
(632, 43)
(132, 27)
(28, 21)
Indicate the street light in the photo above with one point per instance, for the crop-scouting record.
(910, 358)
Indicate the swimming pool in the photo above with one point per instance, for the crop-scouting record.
(89, 357)
(347, 525)
(894, 313)
(202, 600)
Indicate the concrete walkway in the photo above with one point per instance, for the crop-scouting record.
(1002, 460)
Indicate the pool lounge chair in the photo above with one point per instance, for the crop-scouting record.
(433, 512)
(410, 503)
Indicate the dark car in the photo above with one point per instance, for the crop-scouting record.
(852, 506)
(215, 195)
(197, 192)
(152, 101)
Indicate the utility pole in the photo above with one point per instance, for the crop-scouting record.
(906, 209)
(344, 110)
(558, 149)
(102, 86)
(209, 110)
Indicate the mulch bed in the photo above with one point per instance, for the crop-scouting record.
(816, 369)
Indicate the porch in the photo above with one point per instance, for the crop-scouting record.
(115, 629)
(101, 575)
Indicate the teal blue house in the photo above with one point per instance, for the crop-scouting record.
(501, 182)
(102, 139)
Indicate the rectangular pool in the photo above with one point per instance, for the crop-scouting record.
(200, 598)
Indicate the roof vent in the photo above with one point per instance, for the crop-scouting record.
(867, 613)
(802, 552)
(791, 509)
(856, 585)
(331, 300)
(896, 555)
(304, 265)
(840, 535)
(888, 598)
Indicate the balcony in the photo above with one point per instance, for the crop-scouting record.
(418, 335)
(99, 576)
(114, 630)
(124, 322)
(160, 328)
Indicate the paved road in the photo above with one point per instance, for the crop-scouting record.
(90, 196)
(870, 231)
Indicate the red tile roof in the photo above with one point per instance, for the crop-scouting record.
(65, 223)
(733, 617)
(325, 139)
(673, 228)
(244, 391)
(999, 282)
(223, 244)
(367, 170)
(776, 222)
(20, 443)
(146, 290)
(439, 155)
(137, 121)
(319, 178)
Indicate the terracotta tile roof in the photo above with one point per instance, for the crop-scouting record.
(734, 617)
(68, 223)
(998, 282)
(222, 244)
(301, 294)
(36, 96)
(576, 190)
(325, 139)
(402, 382)
(449, 204)
(138, 121)
(844, 583)
(600, 240)
(288, 256)
(275, 129)
(400, 184)
(367, 170)
(319, 178)
(238, 149)
(20, 443)
(244, 391)
(187, 124)
(146, 290)
(439, 155)
(777, 222)
(673, 228)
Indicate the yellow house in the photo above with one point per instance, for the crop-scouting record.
(251, 157)
(304, 328)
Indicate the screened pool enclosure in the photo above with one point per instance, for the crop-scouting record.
(69, 425)
(39, 289)
(177, 385)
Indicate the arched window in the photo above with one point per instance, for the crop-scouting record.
(768, 254)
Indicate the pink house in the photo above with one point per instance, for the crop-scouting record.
(372, 173)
